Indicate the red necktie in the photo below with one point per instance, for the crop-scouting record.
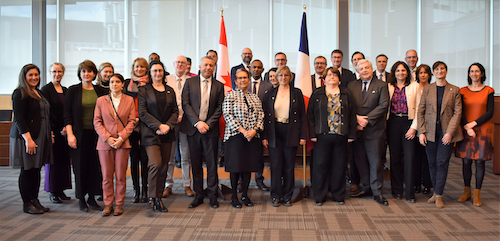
(322, 80)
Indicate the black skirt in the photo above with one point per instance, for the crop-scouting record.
(243, 156)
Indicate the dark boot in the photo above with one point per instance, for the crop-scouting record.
(151, 204)
(159, 206)
(29, 208)
(39, 206)
(144, 198)
(93, 204)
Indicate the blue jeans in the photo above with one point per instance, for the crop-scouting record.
(438, 155)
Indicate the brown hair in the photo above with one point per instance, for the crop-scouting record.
(142, 62)
(86, 65)
(23, 85)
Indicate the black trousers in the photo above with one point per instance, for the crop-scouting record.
(282, 160)
(330, 165)
(158, 157)
(29, 184)
(199, 144)
(86, 166)
(402, 153)
(367, 153)
(421, 171)
(138, 157)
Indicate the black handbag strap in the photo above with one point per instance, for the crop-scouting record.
(111, 100)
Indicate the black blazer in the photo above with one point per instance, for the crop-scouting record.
(191, 101)
(374, 106)
(56, 107)
(149, 114)
(317, 114)
(27, 116)
(346, 77)
(73, 110)
(297, 121)
(233, 74)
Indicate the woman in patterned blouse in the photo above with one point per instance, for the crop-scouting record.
(402, 129)
(244, 117)
(332, 123)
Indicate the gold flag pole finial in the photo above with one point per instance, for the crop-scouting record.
(221, 11)
(304, 7)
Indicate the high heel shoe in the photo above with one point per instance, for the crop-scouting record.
(63, 196)
(246, 201)
(235, 203)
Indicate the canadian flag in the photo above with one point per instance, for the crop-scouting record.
(223, 74)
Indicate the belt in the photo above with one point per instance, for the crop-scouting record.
(400, 114)
(282, 120)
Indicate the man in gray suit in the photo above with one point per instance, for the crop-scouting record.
(202, 98)
(371, 100)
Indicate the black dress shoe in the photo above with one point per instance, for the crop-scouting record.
(417, 189)
(159, 206)
(260, 185)
(137, 195)
(381, 200)
(39, 206)
(288, 203)
(196, 202)
(151, 204)
(426, 190)
(63, 196)
(83, 205)
(275, 202)
(144, 197)
(396, 196)
(235, 203)
(54, 198)
(342, 202)
(99, 198)
(29, 208)
(361, 193)
(213, 202)
(247, 201)
(319, 203)
(93, 204)
(411, 200)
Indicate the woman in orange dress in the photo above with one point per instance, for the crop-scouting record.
(477, 110)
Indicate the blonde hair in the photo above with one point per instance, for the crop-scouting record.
(142, 62)
(101, 67)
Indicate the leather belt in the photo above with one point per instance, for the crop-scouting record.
(282, 120)
(400, 115)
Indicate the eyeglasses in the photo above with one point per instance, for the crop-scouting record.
(279, 60)
(56, 72)
(283, 75)
(319, 63)
(241, 78)
(179, 62)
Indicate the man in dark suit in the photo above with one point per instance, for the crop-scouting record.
(213, 54)
(346, 76)
(317, 79)
(371, 100)
(260, 88)
(246, 57)
(355, 58)
(202, 98)
(380, 73)
(280, 60)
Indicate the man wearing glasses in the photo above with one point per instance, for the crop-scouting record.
(280, 60)
(317, 79)
(177, 81)
(412, 60)
(246, 58)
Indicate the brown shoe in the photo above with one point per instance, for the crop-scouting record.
(107, 210)
(167, 192)
(188, 191)
(118, 210)
(476, 200)
(354, 187)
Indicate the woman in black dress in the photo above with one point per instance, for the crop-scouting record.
(244, 117)
(30, 136)
(57, 175)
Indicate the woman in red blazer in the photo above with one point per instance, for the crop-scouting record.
(114, 121)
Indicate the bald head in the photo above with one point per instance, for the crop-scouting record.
(180, 65)
(246, 56)
(411, 58)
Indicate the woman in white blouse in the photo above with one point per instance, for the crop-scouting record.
(244, 117)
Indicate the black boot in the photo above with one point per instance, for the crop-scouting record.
(29, 208)
(83, 205)
(151, 204)
(144, 198)
(159, 206)
(39, 206)
(93, 204)
(137, 194)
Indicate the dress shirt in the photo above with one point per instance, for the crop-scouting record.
(383, 75)
(207, 97)
(413, 74)
(254, 82)
(317, 80)
(357, 74)
(367, 84)
(173, 81)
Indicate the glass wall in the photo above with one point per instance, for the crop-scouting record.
(382, 27)
(457, 33)
(15, 41)
(321, 29)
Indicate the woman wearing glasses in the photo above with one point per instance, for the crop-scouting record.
(284, 130)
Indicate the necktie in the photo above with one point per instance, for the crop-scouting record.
(254, 87)
(179, 85)
(204, 101)
(382, 77)
(322, 80)
(364, 89)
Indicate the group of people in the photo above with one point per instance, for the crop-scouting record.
(154, 116)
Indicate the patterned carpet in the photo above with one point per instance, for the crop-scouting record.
(358, 219)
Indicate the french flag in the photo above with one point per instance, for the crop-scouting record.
(303, 76)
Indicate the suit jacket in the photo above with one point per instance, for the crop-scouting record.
(346, 77)
(73, 110)
(56, 107)
(374, 105)
(451, 112)
(297, 120)
(27, 116)
(191, 102)
(233, 74)
(378, 77)
(150, 114)
(264, 87)
(412, 100)
(313, 82)
(317, 114)
(107, 124)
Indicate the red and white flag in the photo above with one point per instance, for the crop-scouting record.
(223, 70)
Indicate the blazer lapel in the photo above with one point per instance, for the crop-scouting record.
(151, 95)
(446, 96)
